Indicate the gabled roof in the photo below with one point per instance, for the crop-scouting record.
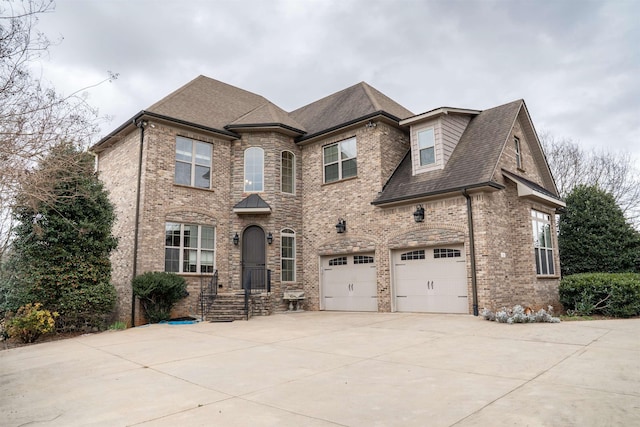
(471, 165)
(208, 102)
(221, 108)
(348, 105)
(266, 115)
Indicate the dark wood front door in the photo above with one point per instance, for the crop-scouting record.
(254, 272)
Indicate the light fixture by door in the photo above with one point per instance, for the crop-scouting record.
(341, 226)
(236, 239)
(269, 238)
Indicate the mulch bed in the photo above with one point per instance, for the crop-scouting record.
(14, 342)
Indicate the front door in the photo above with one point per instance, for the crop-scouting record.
(254, 273)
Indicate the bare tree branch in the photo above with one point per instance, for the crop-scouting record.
(33, 116)
(613, 172)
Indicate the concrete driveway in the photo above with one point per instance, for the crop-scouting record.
(331, 369)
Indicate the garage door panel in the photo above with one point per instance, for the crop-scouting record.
(349, 283)
(431, 280)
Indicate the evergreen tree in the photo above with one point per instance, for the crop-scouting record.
(60, 254)
(594, 235)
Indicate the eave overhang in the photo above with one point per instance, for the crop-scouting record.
(142, 115)
(256, 127)
(484, 186)
(435, 113)
(533, 191)
(378, 115)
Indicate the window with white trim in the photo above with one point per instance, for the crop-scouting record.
(338, 261)
(189, 248)
(446, 253)
(288, 255)
(516, 143)
(408, 256)
(542, 242)
(427, 146)
(193, 163)
(287, 172)
(363, 259)
(340, 160)
(253, 169)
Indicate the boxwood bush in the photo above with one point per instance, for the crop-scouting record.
(608, 294)
(158, 292)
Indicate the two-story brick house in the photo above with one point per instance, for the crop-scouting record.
(352, 199)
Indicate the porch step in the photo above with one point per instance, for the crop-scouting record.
(227, 307)
(230, 306)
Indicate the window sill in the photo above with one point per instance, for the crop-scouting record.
(191, 274)
(210, 190)
(547, 276)
(340, 180)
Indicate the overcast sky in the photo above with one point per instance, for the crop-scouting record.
(575, 62)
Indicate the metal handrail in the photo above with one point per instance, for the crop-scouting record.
(208, 293)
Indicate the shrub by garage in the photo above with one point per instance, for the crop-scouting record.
(608, 294)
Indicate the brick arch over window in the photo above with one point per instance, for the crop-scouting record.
(422, 237)
(349, 245)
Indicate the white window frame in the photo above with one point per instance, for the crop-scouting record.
(193, 163)
(288, 234)
(293, 172)
(182, 248)
(543, 243)
(340, 161)
(251, 185)
(431, 129)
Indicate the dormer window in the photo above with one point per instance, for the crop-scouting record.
(427, 146)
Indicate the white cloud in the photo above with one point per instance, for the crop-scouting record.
(576, 67)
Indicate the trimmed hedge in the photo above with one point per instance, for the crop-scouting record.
(608, 294)
(158, 292)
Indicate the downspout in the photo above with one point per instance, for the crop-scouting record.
(472, 250)
(140, 125)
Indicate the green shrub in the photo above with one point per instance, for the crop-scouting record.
(158, 292)
(30, 322)
(609, 294)
(117, 326)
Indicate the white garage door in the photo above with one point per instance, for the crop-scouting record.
(349, 283)
(431, 280)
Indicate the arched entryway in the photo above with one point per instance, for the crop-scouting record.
(254, 272)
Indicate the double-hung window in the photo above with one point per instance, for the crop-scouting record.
(193, 163)
(288, 172)
(253, 170)
(288, 255)
(427, 146)
(340, 160)
(189, 248)
(542, 242)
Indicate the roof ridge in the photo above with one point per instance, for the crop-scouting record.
(367, 90)
(248, 113)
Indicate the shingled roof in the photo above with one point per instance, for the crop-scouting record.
(267, 114)
(471, 165)
(352, 103)
(212, 103)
